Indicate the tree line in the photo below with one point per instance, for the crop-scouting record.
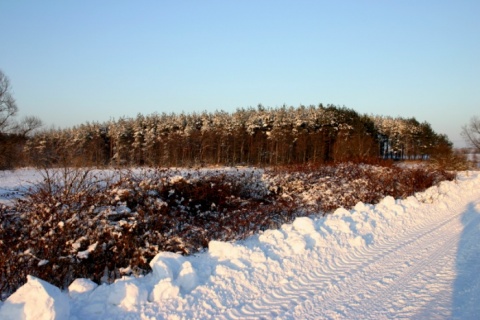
(252, 136)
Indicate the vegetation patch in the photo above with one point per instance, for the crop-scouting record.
(102, 225)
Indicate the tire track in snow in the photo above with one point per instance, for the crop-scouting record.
(375, 294)
(320, 290)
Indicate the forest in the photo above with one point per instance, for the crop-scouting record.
(258, 136)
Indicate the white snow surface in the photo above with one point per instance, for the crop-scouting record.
(417, 258)
(13, 184)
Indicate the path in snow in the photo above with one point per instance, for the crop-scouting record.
(407, 276)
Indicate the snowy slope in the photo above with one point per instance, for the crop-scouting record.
(413, 258)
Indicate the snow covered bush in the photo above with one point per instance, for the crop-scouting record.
(100, 225)
(325, 188)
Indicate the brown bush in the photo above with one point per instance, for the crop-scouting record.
(102, 225)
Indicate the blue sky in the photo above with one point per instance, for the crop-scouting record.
(75, 61)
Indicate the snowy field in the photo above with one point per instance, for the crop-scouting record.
(416, 258)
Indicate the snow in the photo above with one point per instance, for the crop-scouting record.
(84, 254)
(36, 299)
(411, 258)
(80, 286)
(14, 183)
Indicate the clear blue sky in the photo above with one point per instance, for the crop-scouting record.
(75, 61)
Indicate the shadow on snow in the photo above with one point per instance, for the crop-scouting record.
(466, 288)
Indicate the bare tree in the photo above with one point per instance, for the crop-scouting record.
(13, 134)
(471, 132)
(27, 125)
(8, 107)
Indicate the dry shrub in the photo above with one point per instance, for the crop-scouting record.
(325, 188)
(104, 224)
(81, 223)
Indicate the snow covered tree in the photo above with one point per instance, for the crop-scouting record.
(251, 136)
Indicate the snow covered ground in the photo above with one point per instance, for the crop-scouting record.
(14, 183)
(416, 258)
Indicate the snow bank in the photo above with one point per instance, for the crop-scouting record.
(80, 286)
(230, 274)
(174, 274)
(36, 299)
